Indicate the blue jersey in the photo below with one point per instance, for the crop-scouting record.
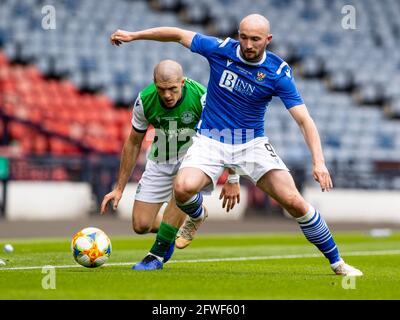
(239, 91)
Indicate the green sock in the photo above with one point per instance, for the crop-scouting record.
(165, 236)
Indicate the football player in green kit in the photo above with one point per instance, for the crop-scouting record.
(173, 105)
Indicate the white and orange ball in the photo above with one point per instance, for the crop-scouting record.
(91, 247)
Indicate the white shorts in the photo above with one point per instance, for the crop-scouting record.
(156, 183)
(251, 160)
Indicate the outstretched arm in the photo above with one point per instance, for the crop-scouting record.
(167, 34)
(129, 156)
(311, 136)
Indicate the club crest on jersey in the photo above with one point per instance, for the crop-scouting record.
(260, 76)
(187, 117)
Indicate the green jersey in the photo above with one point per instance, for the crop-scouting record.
(174, 127)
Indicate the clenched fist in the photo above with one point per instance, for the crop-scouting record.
(120, 36)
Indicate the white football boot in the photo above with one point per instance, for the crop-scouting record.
(343, 269)
(188, 230)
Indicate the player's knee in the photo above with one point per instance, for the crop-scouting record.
(141, 227)
(183, 191)
(295, 204)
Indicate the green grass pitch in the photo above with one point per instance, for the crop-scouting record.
(256, 267)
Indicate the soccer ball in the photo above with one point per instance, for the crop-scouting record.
(91, 247)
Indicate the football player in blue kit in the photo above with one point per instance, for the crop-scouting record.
(244, 77)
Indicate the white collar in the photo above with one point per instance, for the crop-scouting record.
(247, 62)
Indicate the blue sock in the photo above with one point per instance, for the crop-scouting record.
(193, 207)
(317, 232)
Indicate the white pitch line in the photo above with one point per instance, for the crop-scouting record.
(277, 257)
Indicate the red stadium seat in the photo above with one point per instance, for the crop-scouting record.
(57, 146)
(17, 131)
(26, 146)
(58, 107)
(33, 74)
(40, 145)
(103, 102)
(59, 174)
(3, 59)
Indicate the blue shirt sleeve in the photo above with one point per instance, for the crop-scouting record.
(286, 90)
(204, 45)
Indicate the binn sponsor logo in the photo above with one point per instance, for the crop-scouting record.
(231, 81)
(228, 80)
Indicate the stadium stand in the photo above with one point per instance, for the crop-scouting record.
(60, 87)
(52, 116)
